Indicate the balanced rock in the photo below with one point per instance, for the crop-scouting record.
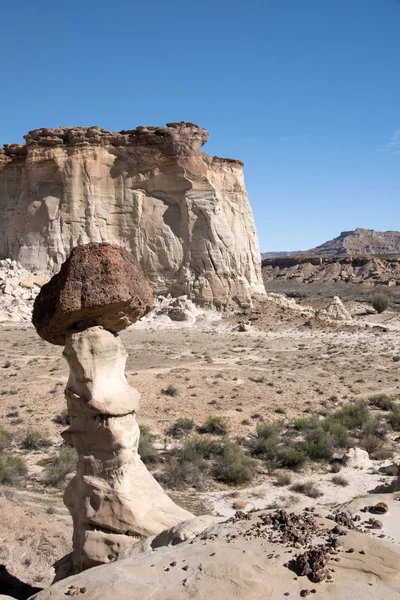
(99, 284)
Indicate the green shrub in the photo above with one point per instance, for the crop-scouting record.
(60, 465)
(305, 423)
(12, 469)
(282, 479)
(394, 417)
(339, 480)
(269, 430)
(215, 425)
(196, 448)
(352, 416)
(380, 304)
(381, 401)
(370, 442)
(337, 432)
(5, 439)
(375, 427)
(233, 466)
(187, 465)
(318, 444)
(146, 448)
(292, 456)
(35, 439)
(179, 473)
(308, 488)
(181, 427)
(265, 448)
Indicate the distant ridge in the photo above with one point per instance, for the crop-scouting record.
(359, 242)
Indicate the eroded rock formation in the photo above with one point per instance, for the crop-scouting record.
(113, 499)
(184, 215)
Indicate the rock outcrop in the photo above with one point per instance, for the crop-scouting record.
(251, 556)
(369, 270)
(113, 499)
(184, 215)
(18, 290)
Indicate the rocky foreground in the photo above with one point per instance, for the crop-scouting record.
(259, 555)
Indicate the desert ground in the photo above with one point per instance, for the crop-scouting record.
(283, 367)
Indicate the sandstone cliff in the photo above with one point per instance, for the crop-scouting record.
(184, 215)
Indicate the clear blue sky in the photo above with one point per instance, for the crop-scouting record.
(305, 92)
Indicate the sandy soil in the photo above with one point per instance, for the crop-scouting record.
(281, 368)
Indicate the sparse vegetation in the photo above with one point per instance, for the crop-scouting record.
(381, 401)
(380, 304)
(239, 504)
(181, 427)
(35, 439)
(292, 456)
(340, 480)
(308, 488)
(171, 390)
(146, 449)
(61, 464)
(351, 416)
(12, 469)
(215, 425)
(394, 417)
(233, 466)
(5, 439)
(282, 479)
(62, 418)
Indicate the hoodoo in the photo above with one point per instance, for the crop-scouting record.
(113, 499)
(183, 214)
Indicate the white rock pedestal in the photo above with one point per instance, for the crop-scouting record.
(113, 499)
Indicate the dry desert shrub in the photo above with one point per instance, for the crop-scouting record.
(282, 479)
(239, 504)
(181, 427)
(215, 425)
(5, 439)
(381, 401)
(12, 469)
(380, 304)
(146, 448)
(58, 466)
(308, 488)
(339, 480)
(35, 439)
(233, 466)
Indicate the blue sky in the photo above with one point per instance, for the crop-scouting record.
(305, 92)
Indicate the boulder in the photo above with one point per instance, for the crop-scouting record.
(337, 311)
(99, 284)
(357, 458)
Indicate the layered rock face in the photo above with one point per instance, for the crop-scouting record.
(184, 215)
(113, 499)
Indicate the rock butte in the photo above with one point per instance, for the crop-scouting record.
(184, 215)
(113, 499)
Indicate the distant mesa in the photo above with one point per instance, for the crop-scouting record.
(360, 242)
